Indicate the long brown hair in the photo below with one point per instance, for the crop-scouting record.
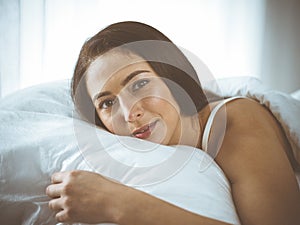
(165, 58)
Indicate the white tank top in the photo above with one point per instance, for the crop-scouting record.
(210, 121)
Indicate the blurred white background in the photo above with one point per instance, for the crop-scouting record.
(41, 39)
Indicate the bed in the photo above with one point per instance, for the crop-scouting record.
(41, 133)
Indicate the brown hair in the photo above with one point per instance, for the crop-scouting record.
(165, 58)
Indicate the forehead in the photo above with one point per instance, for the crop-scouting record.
(112, 66)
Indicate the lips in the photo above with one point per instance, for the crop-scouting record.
(145, 131)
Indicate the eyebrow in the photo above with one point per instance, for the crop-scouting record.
(101, 94)
(132, 75)
(123, 83)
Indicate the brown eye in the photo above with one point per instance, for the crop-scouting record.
(139, 84)
(107, 103)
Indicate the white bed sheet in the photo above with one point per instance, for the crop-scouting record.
(296, 94)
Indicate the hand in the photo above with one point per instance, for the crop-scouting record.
(81, 196)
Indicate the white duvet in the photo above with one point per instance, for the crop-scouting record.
(40, 135)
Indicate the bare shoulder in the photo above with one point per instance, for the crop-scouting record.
(248, 118)
(253, 155)
(247, 113)
(251, 131)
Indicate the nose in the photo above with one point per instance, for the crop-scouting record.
(131, 109)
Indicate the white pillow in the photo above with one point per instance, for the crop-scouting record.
(53, 98)
(39, 136)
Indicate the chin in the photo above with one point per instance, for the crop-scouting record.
(159, 135)
(158, 140)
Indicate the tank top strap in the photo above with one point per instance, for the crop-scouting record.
(210, 120)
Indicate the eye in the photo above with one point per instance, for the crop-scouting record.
(139, 84)
(107, 103)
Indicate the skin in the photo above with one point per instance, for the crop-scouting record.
(129, 95)
(253, 155)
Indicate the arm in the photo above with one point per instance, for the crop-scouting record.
(81, 196)
(253, 156)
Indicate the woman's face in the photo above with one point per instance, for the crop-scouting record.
(132, 100)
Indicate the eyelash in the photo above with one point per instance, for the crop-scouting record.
(102, 104)
(139, 84)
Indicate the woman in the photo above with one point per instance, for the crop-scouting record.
(132, 80)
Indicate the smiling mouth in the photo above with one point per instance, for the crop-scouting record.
(145, 131)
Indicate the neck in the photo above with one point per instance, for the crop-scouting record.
(193, 128)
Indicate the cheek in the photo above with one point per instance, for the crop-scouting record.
(114, 124)
(106, 120)
(161, 96)
(162, 105)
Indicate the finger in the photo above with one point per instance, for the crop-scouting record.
(54, 190)
(55, 204)
(62, 216)
(57, 177)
